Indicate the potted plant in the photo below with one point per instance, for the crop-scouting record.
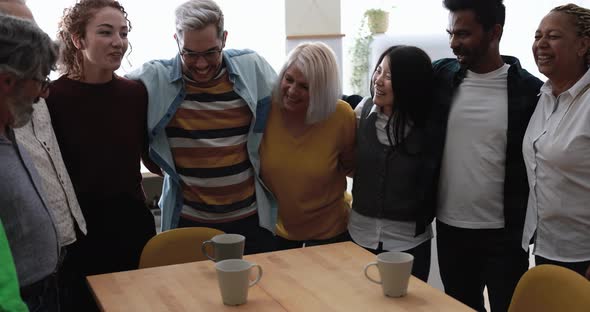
(374, 21)
(377, 20)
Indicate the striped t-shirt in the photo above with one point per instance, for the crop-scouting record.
(208, 136)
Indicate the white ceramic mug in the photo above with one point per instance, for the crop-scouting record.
(395, 268)
(234, 280)
(225, 246)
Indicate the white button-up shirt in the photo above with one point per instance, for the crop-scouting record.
(369, 231)
(556, 150)
(38, 138)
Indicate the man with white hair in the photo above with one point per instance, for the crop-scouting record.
(207, 113)
(27, 55)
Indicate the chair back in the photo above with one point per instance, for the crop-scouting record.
(547, 287)
(176, 246)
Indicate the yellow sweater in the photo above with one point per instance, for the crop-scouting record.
(307, 174)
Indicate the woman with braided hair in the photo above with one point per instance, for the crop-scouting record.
(557, 143)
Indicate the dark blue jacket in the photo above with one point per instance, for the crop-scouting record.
(523, 94)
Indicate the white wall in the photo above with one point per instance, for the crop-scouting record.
(312, 17)
(248, 25)
(260, 24)
(429, 17)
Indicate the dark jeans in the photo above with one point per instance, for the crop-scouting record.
(470, 259)
(421, 253)
(42, 296)
(282, 243)
(258, 239)
(578, 267)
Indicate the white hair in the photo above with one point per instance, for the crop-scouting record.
(198, 14)
(318, 64)
(25, 50)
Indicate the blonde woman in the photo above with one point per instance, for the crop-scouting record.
(308, 149)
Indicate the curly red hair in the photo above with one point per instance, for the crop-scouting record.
(73, 23)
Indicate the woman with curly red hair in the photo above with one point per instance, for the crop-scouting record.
(99, 120)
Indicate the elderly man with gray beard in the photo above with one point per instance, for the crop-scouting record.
(27, 55)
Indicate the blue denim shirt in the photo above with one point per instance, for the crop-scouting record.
(253, 79)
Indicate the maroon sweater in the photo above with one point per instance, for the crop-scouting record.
(101, 131)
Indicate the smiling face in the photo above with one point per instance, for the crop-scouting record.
(105, 41)
(468, 40)
(382, 88)
(558, 49)
(203, 41)
(295, 91)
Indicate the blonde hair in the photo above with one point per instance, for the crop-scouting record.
(318, 64)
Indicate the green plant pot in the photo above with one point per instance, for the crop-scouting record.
(378, 22)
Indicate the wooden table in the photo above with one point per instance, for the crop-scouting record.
(322, 278)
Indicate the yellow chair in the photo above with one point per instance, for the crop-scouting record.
(176, 246)
(551, 288)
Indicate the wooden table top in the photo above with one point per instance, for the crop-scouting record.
(322, 278)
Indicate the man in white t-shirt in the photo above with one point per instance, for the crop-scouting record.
(486, 102)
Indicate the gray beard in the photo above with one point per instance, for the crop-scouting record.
(20, 111)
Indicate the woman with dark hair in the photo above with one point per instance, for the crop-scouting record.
(99, 120)
(393, 188)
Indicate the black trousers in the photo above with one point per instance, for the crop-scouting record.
(258, 239)
(283, 243)
(118, 229)
(42, 296)
(421, 253)
(470, 259)
(578, 267)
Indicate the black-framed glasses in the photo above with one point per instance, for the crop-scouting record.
(44, 83)
(210, 56)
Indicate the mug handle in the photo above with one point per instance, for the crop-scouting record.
(204, 249)
(258, 276)
(367, 274)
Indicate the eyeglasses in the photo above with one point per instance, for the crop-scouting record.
(43, 82)
(210, 56)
